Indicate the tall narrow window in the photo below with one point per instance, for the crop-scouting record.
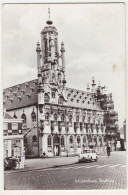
(71, 139)
(49, 141)
(70, 118)
(33, 115)
(62, 141)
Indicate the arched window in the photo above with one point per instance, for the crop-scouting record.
(77, 119)
(33, 115)
(47, 116)
(71, 139)
(70, 118)
(78, 139)
(23, 116)
(62, 140)
(49, 141)
(46, 98)
(55, 117)
(62, 118)
(45, 45)
(60, 100)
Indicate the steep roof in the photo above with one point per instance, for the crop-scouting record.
(25, 94)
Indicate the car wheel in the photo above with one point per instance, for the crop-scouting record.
(91, 159)
(96, 159)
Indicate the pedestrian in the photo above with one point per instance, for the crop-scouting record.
(44, 154)
(108, 150)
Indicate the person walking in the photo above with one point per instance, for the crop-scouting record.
(108, 151)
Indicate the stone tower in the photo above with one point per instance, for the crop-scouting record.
(51, 74)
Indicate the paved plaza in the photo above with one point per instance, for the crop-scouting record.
(66, 173)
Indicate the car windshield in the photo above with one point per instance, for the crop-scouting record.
(86, 151)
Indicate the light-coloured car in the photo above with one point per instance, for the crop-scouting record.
(88, 155)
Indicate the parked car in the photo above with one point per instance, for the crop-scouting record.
(88, 155)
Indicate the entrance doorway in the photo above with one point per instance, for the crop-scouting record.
(56, 143)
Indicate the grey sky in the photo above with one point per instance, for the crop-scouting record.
(94, 37)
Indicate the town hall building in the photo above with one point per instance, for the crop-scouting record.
(59, 120)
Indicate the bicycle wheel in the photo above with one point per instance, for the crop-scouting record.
(16, 164)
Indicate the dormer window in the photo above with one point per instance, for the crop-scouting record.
(11, 100)
(19, 98)
(10, 89)
(15, 93)
(31, 88)
(28, 95)
(23, 91)
(26, 85)
(88, 102)
(7, 95)
(18, 87)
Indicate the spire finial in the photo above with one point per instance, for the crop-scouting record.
(49, 22)
(49, 12)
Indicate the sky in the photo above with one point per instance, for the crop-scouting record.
(94, 38)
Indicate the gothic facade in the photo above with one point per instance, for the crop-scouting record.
(59, 120)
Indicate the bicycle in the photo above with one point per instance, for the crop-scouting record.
(11, 163)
